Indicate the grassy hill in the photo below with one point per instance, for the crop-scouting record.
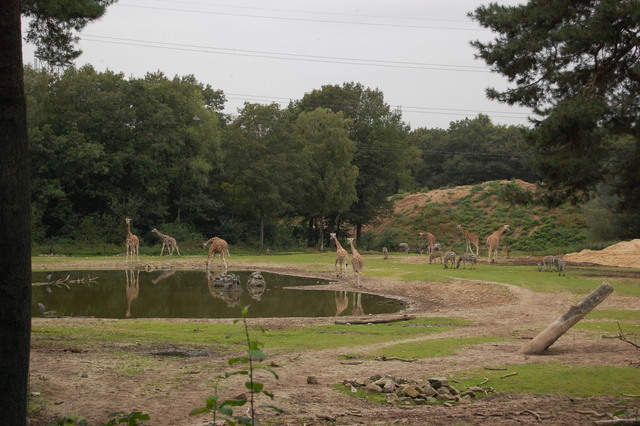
(481, 209)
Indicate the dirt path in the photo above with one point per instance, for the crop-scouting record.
(93, 384)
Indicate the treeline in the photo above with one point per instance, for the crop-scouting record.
(160, 150)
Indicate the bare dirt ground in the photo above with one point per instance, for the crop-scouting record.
(91, 382)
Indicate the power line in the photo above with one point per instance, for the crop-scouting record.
(279, 55)
(323, 21)
(402, 108)
(358, 15)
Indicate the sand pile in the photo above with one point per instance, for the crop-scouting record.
(624, 254)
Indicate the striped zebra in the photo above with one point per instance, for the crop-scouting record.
(449, 257)
(560, 263)
(467, 257)
(546, 263)
(435, 255)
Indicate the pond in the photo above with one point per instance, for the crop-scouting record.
(194, 294)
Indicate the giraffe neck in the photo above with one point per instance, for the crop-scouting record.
(353, 249)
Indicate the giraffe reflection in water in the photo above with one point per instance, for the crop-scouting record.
(132, 289)
(357, 309)
(164, 275)
(342, 303)
(225, 287)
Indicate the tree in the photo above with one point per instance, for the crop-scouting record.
(577, 65)
(380, 135)
(329, 186)
(262, 163)
(472, 151)
(104, 147)
(15, 194)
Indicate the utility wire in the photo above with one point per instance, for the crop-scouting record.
(358, 15)
(278, 55)
(282, 18)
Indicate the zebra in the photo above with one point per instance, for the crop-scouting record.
(425, 247)
(404, 247)
(560, 263)
(546, 262)
(449, 257)
(435, 255)
(467, 257)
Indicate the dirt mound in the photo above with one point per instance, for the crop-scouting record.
(409, 203)
(624, 254)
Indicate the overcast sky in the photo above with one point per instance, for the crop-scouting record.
(416, 52)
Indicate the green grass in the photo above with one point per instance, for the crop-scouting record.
(431, 348)
(614, 314)
(147, 333)
(555, 378)
(610, 328)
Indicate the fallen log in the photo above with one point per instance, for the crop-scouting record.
(546, 338)
(376, 321)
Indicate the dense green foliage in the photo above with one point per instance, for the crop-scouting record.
(158, 150)
(469, 152)
(577, 65)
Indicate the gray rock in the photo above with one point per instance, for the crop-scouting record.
(373, 388)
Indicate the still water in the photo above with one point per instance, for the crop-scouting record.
(192, 294)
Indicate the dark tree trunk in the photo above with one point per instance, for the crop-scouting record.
(15, 222)
(261, 231)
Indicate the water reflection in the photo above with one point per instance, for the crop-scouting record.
(132, 288)
(165, 274)
(225, 287)
(256, 285)
(195, 294)
(342, 301)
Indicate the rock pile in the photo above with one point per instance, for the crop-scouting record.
(404, 391)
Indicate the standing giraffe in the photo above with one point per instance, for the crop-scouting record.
(357, 262)
(471, 239)
(218, 245)
(132, 243)
(341, 256)
(431, 240)
(492, 243)
(169, 242)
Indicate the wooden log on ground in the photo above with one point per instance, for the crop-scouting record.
(376, 321)
(557, 328)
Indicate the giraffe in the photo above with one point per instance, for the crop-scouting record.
(341, 256)
(431, 240)
(132, 242)
(471, 239)
(169, 242)
(357, 262)
(218, 245)
(492, 242)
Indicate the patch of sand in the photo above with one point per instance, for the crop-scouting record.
(625, 254)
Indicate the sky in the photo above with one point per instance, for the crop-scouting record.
(416, 52)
